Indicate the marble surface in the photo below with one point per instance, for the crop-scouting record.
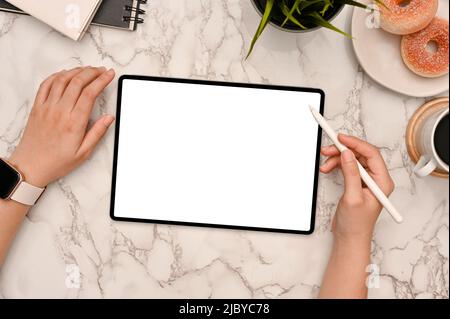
(68, 247)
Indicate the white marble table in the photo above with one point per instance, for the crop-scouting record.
(70, 228)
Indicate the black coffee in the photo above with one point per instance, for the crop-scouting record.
(441, 137)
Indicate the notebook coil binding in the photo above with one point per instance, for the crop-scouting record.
(136, 10)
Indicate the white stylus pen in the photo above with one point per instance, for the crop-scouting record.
(382, 198)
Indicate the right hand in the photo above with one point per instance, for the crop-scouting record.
(56, 139)
(358, 208)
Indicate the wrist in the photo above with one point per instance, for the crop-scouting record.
(29, 173)
(353, 241)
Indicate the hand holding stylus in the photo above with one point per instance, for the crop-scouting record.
(359, 208)
(355, 217)
(371, 184)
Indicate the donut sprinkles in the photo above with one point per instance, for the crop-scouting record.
(417, 55)
(407, 16)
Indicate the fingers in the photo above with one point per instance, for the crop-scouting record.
(334, 159)
(330, 150)
(330, 164)
(350, 170)
(44, 90)
(368, 155)
(94, 135)
(78, 83)
(352, 178)
(60, 83)
(89, 94)
(374, 159)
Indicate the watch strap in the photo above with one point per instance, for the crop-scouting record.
(27, 194)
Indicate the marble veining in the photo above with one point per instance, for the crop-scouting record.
(68, 247)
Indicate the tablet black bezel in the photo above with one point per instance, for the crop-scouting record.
(217, 83)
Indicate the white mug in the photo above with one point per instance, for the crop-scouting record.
(429, 160)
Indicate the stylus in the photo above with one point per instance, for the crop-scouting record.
(382, 198)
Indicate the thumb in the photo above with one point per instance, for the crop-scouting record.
(95, 134)
(352, 178)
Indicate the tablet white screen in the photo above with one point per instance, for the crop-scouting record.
(221, 155)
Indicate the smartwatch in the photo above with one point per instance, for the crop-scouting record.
(13, 187)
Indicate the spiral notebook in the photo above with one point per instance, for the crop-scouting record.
(120, 14)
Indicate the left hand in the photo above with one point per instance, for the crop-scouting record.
(56, 139)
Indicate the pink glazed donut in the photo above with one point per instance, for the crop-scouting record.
(418, 58)
(407, 16)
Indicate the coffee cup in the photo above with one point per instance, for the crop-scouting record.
(432, 142)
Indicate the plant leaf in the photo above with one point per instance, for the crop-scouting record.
(306, 4)
(381, 3)
(319, 20)
(291, 12)
(326, 6)
(262, 24)
(311, 11)
(289, 16)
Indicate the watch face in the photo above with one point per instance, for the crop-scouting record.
(8, 179)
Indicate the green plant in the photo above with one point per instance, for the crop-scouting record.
(303, 14)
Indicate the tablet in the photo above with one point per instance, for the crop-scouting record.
(216, 154)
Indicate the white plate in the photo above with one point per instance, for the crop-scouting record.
(379, 54)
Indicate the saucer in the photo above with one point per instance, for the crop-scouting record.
(378, 53)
